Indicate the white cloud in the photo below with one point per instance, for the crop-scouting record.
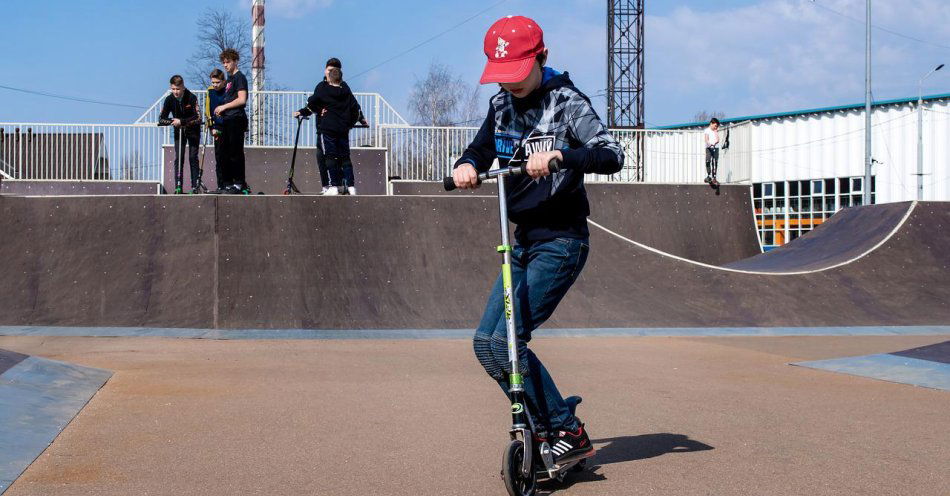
(780, 55)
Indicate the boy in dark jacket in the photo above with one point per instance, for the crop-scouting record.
(182, 105)
(337, 111)
(216, 95)
(537, 116)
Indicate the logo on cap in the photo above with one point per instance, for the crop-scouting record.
(501, 50)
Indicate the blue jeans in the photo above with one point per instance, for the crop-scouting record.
(541, 274)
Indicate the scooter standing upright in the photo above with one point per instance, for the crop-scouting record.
(291, 187)
(525, 461)
(180, 152)
(199, 185)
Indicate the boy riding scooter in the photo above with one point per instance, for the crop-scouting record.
(538, 117)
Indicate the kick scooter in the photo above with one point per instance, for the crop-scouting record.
(291, 187)
(180, 159)
(528, 457)
(199, 186)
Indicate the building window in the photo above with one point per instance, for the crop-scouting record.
(787, 210)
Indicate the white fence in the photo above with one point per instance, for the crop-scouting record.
(89, 152)
(426, 153)
(272, 123)
(133, 152)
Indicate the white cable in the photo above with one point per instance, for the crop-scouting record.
(792, 273)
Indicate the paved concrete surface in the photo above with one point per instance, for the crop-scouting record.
(684, 416)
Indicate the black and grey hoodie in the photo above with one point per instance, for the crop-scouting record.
(556, 116)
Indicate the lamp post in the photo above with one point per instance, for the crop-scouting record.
(920, 132)
(867, 109)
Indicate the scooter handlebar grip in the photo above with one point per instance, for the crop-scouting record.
(554, 165)
(448, 182)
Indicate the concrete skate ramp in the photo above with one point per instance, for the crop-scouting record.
(905, 279)
(38, 398)
(925, 366)
(411, 263)
(690, 221)
(848, 235)
(138, 260)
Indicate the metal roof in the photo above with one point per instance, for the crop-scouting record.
(805, 111)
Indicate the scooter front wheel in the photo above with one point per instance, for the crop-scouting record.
(511, 471)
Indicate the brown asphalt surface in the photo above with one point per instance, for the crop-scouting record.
(679, 416)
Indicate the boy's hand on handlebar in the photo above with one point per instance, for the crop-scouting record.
(465, 177)
(538, 163)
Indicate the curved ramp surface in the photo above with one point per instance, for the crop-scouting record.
(907, 279)
(845, 237)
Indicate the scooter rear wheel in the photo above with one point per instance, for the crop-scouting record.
(515, 481)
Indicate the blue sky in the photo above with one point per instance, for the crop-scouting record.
(740, 57)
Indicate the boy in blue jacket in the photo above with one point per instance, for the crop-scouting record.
(216, 96)
(538, 115)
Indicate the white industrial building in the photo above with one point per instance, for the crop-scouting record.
(805, 165)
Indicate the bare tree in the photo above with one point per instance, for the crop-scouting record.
(217, 30)
(441, 98)
(704, 116)
(473, 108)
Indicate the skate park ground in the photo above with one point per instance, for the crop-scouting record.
(329, 353)
(669, 415)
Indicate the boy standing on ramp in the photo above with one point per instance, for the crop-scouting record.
(216, 96)
(337, 111)
(537, 116)
(233, 113)
(182, 105)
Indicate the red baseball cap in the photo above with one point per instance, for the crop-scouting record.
(511, 45)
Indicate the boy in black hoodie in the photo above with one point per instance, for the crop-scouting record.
(537, 116)
(337, 111)
(182, 105)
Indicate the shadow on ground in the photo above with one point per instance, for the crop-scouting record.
(626, 449)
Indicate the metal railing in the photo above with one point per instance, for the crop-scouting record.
(271, 122)
(423, 153)
(427, 153)
(86, 152)
(133, 152)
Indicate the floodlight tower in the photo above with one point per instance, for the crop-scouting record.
(625, 71)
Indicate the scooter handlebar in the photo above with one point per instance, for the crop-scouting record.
(448, 182)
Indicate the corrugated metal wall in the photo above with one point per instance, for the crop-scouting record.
(831, 144)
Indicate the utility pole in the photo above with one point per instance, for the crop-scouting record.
(920, 132)
(867, 110)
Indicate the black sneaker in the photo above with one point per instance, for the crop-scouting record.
(569, 446)
(708, 179)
